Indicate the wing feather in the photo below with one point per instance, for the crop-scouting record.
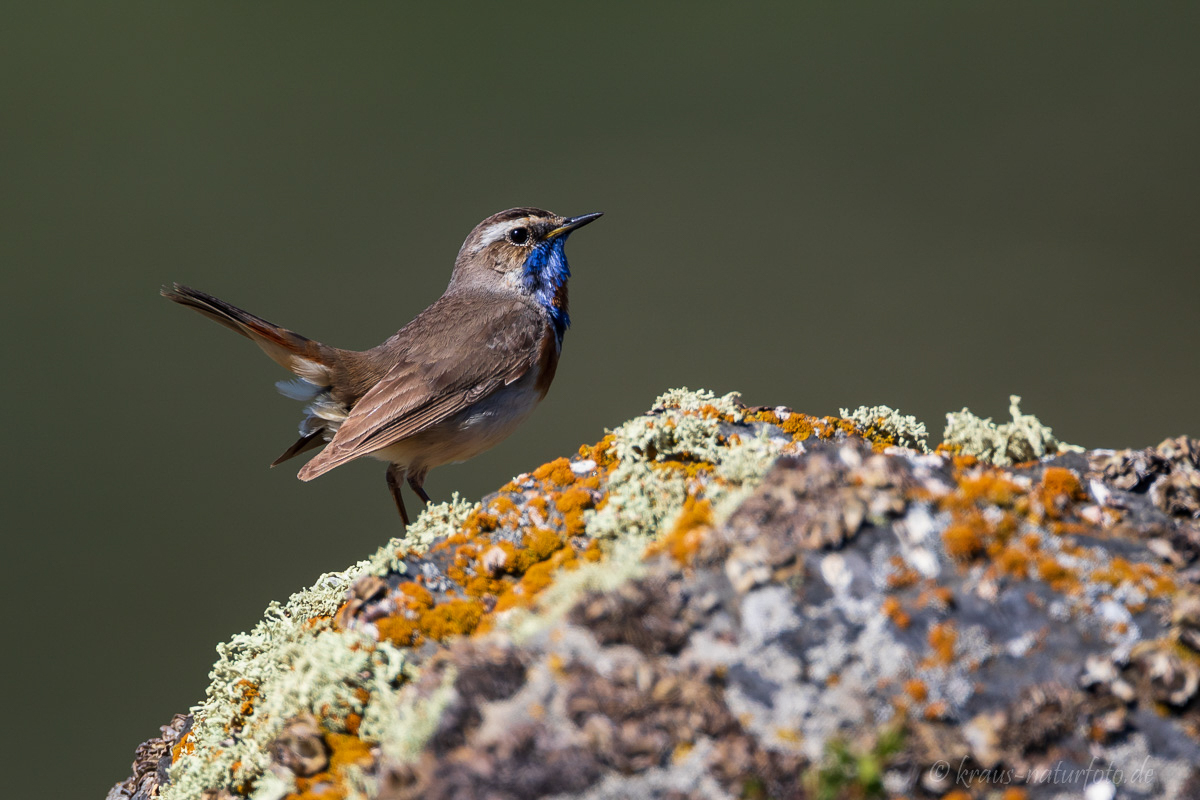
(457, 352)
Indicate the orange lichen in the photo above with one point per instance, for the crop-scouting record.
(402, 629)
(1061, 481)
(482, 586)
(454, 617)
(537, 545)
(1060, 578)
(184, 747)
(798, 426)
(399, 630)
(939, 597)
(249, 692)
(1012, 561)
(902, 576)
(1014, 793)
(540, 505)
(977, 488)
(1059, 488)
(481, 521)
(1120, 572)
(571, 504)
(892, 610)
(592, 552)
(601, 452)
(346, 750)
(539, 576)
(683, 540)
(962, 542)
(415, 596)
(316, 788)
(491, 569)
(764, 415)
(503, 506)
(690, 469)
(942, 638)
(557, 472)
(936, 710)
(534, 580)
(992, 486)
(916, 689)
(1116, 572)
(829, 427)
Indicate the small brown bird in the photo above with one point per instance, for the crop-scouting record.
(453, 382)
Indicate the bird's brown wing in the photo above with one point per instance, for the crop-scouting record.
(456, 352)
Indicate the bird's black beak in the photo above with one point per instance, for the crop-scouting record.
(571, 223)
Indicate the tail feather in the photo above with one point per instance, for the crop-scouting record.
(304, 357)
(302, 445)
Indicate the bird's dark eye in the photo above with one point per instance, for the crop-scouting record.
(518, 235)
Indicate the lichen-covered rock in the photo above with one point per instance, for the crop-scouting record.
(717, 601)
(152, 760)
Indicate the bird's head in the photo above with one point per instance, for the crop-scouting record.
(521, 250)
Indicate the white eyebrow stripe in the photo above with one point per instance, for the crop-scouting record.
(498, 230)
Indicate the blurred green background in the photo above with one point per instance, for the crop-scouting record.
(925, 205)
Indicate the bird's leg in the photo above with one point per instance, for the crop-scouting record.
(417, 481)
(394, 474)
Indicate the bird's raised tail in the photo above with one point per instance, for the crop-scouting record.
(306, 358)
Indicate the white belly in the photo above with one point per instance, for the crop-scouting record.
(469, 432)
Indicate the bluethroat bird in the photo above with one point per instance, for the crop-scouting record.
(453, 382)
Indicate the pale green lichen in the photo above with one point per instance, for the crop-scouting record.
(405, 723)
(671, 434)
(903, 429)
(641, 498)
(292, 662)
(358, 784)
(741, 469)
(389, 669)
(685, 399)
(295, 663)
(437, 521)
(275, 784)
(1023, 439)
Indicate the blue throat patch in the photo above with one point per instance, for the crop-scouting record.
(544, 274)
